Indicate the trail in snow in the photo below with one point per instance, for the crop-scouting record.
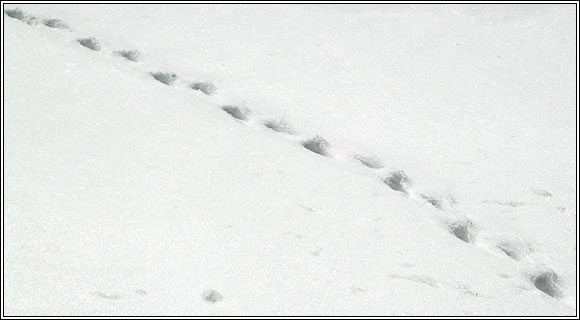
(457, 224)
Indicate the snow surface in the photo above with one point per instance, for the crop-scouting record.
(127, 196)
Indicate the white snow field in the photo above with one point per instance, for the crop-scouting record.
(289, 160)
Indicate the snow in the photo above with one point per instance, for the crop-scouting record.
(124, 195)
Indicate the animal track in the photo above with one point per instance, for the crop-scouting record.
(371, 162)
(416, 278)
(317, 145)
(16, 14)
(167, 78)
(356, 289)
(131, 55)
(108, 296)
(212, 296)
(510, 251)
(547, 282)
(236, 112)
(398, 181)
(118, 296)
(466, 290)
(91, 43)
(55, 23)
(279, 126)
(140, 292)
(542, 193)
(462, 230)
(22, 16)
(436, 202)
(316, 252)
(206, 87)
(514, 249)
(440, 202)
(512, 204)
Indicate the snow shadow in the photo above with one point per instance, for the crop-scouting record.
(236, 112)
(317, 145)
(91, 43)
(167, 78)
(207, 88)
(131, 55)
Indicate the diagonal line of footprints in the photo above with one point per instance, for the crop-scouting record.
(546, 280)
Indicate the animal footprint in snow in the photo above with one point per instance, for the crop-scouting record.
(167, 78)
(466, 290)
(548, 282)
(206, 87)
(416, 278)
(440, 202)
(434, 201)
(318, 145)
(316, 252)
(463, 230)
(510, 203)
(131, 55)
(371, 162)
(542, 193)
(32, 20)
(356, 289)
(91, 43)
(108, 296)
(398, 181)
(212, 296)
(140, 292)
(514, 249)
(118, 296)
(22, 16)
(279, 126)
(16, 14)
(55, 23)
(236, 112)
